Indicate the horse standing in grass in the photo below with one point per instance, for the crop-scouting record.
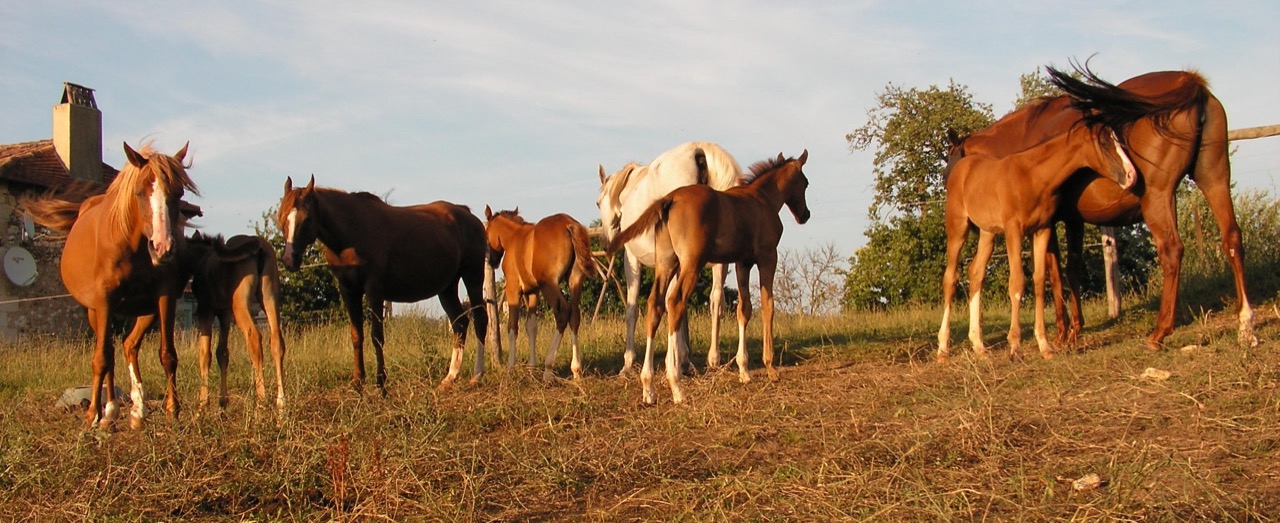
(1016, 195)
(696, 225)
(537, 258)
(228, 277)
(383, 252)
(1174, 127)
(122, 257)
(633, 189)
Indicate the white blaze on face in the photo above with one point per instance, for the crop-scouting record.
(290, 225)
(1130, 172)
(161, 238)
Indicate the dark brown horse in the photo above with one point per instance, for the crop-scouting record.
(538, 258)
(1016, 195)
(119, 259)
(696, 225)
(227, 278)
(387, 253)
(1174, 127)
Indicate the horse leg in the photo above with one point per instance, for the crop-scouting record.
(560, 310)
(1017, 285)
(103, 363)
(656, 308)
(957, 231)
(743, 272)
(1075, 267)
(353, 301)
(270, 290)
(631, 267)
(1054, 275)
(575, 320)
(977, 274)
(1158, 209)
(1212, 173)
(224, 357)
(169, 355)
(718, 273)
(138, 413)
(1040, 247)
(377, 308)
(252, 338)
(458, 321)
(204, 348)
(513, 322)
(678, 292)
(531, 326)
(768, 264)
(473, 281)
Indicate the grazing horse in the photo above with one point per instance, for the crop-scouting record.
(538, 258)
(1016, 195)
(696, 225)
(1174, 127)
(227, 278)
(633, 189)
(383, 252)
(122, 257)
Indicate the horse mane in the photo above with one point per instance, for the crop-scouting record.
(1104, 103)
(511, 215)
(762, 168)
(619, 181)
(159, 167)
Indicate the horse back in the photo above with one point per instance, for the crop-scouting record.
(725, 226)
(415, 252)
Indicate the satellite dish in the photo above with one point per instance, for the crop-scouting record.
(20, 266)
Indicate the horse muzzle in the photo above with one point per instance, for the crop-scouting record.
(801, 217)
(292, 259)
(160, 251)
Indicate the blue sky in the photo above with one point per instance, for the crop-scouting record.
(517, 103)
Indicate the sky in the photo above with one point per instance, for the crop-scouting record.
(518, 103)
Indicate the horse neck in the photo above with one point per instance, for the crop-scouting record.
(767, 188)
(338, 232)
(1067, 157)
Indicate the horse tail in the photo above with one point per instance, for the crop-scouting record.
(582, 258)
(651, 218)
(700, 160)
(1104, 103)
(722, 171)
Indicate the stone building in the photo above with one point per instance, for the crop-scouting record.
(33, 301)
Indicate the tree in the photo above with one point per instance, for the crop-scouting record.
(808, 281)
(903, 259)
(310, 294)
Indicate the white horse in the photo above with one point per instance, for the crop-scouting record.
(626, 194)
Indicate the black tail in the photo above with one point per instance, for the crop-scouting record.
(1104, 103)
(700, 159)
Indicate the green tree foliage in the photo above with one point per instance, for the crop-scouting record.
(903, 259)
(908, 127)
(310, 294)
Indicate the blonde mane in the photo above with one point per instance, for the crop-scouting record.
(123, 206)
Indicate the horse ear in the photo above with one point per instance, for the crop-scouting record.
(134, 158)
(516, 210)
(804, 157)
(288, 184)
(182, 153)
(602, 176)
(311, 184)
(781, 158)
(488, 213)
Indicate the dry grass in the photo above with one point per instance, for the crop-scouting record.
(862, 426)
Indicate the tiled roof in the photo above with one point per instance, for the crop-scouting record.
(37, 164)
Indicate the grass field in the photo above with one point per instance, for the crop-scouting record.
(863, 426)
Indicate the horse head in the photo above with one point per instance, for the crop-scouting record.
(1118, 162)
(610, 199)
(295, 219)
(794, 185)
(493, 236)
(147, 195)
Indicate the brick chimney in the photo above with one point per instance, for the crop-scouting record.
(77, 133)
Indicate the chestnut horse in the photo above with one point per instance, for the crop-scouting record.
(538, 258)
(227, 278)
(382, 252)
(1016, 195)
(633, 189)
(696, 225)
(122, 257)
(1174, 127)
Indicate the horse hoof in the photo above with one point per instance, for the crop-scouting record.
(475, 381)
(548, 376)
(445, 386)
(744, 378)
(135, 423)
(773, 376)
